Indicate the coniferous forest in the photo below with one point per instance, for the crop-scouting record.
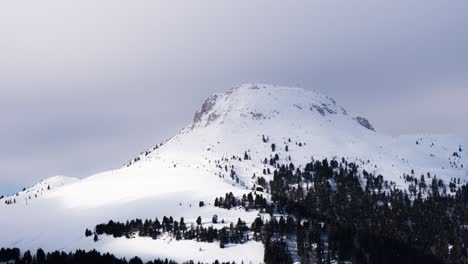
(234, 234)
(330, 212)
(326, 212)
(336, 218)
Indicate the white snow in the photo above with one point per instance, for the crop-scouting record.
(190, 167)
(28, 195)
(180, 251)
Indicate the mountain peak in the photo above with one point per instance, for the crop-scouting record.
(256, 101)
(252, 109)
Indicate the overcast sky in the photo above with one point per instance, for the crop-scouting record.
(85, 85)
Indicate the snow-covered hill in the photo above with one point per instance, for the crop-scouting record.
(171, 179)
(28, 195)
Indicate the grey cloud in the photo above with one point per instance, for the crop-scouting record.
(85, 85)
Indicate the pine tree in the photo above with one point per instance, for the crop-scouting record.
(135, 260)
(27, 257)
(319, 251)
(40, 256)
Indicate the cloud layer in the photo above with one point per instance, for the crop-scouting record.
(84, 85)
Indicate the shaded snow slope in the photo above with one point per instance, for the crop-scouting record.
(171, 179)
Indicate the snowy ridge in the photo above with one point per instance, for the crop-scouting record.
(37, 191)
(171, 178)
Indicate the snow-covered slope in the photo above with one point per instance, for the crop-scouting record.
(235, 122)
(170, 179)
(28, 195)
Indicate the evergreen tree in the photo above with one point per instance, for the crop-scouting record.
(40, 256)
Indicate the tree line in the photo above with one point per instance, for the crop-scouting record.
(234, 234)
(341, 215)
(14, 256)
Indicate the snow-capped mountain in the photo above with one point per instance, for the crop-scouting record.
(238, 130)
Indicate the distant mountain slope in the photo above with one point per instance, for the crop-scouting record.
(232, 132)
(37, 191)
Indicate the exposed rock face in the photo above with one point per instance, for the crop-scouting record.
(365, 123)
(323, 109)
(206, 108)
